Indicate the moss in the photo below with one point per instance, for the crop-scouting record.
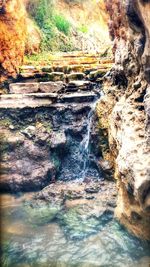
(5, 122)
(4, 147)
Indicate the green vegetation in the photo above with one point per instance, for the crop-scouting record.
(62, 24)
(55, 28)
(83, 29)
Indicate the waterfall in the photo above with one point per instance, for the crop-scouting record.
(84, 146)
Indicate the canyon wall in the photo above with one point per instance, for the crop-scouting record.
(124, 112)
(18, 35)
(12, 37)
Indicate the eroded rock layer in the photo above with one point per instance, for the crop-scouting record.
(12, 37)
(124, 112)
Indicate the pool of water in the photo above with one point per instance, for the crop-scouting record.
(68, 239)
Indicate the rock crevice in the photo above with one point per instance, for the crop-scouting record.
(124, 113)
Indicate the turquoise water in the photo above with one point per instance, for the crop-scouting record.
(66, 238)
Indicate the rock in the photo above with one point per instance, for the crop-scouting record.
(51, 87)
(75, 68)
(11, 127)
(92, 190)
(40, 213)
(56, 76)
(75, 76)
(105, 165)
(78, 97)
(28, 67)
(58, 140)
(137, 85)
(29, 131)
(47, 69)
(124, 114)
(32, 100)
(94, 75)
(27, 75)
(23, 88)
(26, 175)
(79, 85)
(73, 195)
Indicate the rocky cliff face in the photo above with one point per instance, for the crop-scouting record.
(124, 112)
(18, 34)
(12, 36)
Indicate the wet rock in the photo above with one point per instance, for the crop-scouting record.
(73, 194)
(29, 131)
(105, 164)
(40, 213)
(51, 136)
(92, 190)
(23, 88)
(107, 168)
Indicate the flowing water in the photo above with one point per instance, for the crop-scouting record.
(53, 236)
(84, 146)
(27, 242)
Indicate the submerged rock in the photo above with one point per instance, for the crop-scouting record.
(80, 214)
(40, 213)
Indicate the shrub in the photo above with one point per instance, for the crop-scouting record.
(50, 23)
(62, 24)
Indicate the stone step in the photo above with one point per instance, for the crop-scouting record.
(77, 97)
(66, 69)
(88, 74)
(79, 86)
(43, 99)
(49, 87)
(27, 100)
(35, 87)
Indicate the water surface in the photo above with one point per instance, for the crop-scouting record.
(66, 240)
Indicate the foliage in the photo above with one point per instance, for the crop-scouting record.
(50, 23)
(83, 29)
(62, 24)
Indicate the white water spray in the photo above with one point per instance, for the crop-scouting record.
(84, 146)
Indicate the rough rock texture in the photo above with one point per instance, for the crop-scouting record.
(12, 36)
(18, 34)
(124, 112)
(45, 137)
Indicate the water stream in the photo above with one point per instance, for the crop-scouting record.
(27, 243)
(84, 146)
(68, 236)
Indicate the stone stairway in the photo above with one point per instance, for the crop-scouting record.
(67, 67)
(44, 117)
(66, 75)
